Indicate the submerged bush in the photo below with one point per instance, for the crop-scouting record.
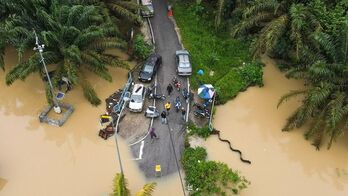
(251, 73)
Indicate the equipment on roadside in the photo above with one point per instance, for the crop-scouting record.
(202, 113)
(157, 96)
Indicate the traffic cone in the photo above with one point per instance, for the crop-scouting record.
(170, 13)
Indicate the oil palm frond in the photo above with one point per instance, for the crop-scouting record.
(120, 186)
(289, 95)
(147, 190)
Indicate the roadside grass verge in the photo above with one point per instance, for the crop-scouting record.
(215, 52)
(203, 132)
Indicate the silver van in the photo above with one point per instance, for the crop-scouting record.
(149, 12)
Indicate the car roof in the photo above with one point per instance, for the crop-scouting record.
(152, 58)
(138, 89)
(184, 58)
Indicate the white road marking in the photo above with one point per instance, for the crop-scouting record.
(140, 152)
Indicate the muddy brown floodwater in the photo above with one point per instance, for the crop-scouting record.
(38, 159)
(283, 163)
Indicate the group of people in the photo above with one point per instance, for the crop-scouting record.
(165, 113)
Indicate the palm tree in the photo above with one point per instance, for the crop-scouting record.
(325, 102)
(76, 38)
(122, 9)
(120, 187)
(275, 20)
(225, 6)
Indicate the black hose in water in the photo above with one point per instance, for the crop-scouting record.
(217, 132)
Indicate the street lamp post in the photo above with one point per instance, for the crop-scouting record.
(40, 49)
(115, 127)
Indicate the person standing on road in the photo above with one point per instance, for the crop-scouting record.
(167, 107)
(169, 89)
(183, 113)
(152, 133)
(163, 117)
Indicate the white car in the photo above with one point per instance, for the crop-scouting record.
(137, 98)
(183, 64)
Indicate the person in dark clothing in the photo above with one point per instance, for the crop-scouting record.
(164, 117)
(169, 89)
(152, 133)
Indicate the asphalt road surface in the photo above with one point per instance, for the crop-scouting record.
(152, 152)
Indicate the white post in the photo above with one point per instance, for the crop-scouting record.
(40, 48)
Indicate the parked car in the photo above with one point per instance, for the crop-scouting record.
(184, 67)
(137, 98)
(151, 112)
(149, 12)
(150, 67)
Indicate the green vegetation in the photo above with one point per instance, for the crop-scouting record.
(120, 187)
(209, 177)
(76, 35)
(219, 55)
(141, 48)
(201, 132)
(312, 36)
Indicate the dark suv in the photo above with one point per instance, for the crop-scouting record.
(150, 67)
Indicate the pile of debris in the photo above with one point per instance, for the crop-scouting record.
(111, 101)
(108, 120)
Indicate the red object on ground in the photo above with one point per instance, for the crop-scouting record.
(170, 12)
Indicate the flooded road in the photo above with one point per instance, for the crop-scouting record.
(38, 159)
(283, 163)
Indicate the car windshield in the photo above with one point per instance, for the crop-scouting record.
(150, 7)
(136, 98)
(148, 68)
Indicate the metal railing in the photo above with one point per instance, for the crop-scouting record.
(125, 93)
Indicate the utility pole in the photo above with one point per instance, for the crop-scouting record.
(115, 127)
(40, 49)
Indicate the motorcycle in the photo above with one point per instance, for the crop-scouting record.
(178, 104)
(175, 80)
(176, 83)
(150, 89)
(200, 106)
(185, 93)
(157, 96)
(202, 113)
